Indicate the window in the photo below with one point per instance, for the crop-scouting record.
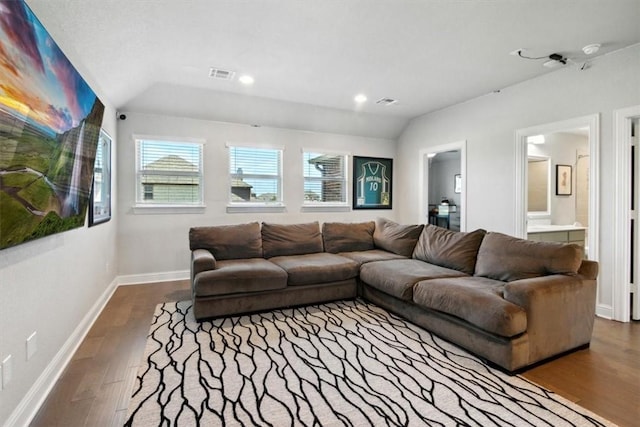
(169, 173)
(100, 200)
(255, 174)
(148, 191)
(325, 178)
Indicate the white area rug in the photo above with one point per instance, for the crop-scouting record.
(345, 363)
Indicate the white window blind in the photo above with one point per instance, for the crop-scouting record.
(169, 172)
(255, 175)
(325, 178)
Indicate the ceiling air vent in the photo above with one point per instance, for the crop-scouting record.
(218, 73)
(386, 101)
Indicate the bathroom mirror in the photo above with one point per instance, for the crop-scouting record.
(538, 186)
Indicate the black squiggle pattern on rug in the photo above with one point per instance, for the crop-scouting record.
(347, 363)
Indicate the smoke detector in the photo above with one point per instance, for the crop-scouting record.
(218, 73)
(590, 49)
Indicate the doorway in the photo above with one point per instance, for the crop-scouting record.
(626, 275)
(443, 186)
(571, 213)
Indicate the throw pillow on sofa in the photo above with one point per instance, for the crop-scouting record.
(291, 239)
(508, 258)
(397, 238)
(347, 237)
(228, 241)
(451, 249)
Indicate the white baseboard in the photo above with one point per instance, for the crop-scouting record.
(167, 276)
(605, 311)
(24, 413)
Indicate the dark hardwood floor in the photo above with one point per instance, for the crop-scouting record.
(95, 387)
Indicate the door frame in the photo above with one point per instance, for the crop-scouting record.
(423, 180)
(621, 288)
(592, 122)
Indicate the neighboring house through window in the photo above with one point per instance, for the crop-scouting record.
(255, 175)
(169, 172)
(325, 178)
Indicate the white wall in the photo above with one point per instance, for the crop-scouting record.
(488, 124)
(48, 286)
(158, 243)
(203, 104)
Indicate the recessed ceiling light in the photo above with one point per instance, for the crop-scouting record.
(246, 79)
(360, 98)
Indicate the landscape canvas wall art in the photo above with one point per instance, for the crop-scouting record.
(49, 127)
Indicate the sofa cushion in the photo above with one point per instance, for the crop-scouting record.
(451, 249)
(238, 276)
(228, 241)
(397, 277)
(291, 239)
(507, 258)
(362, 257)
(316, 268)
(396, 238)
(347, 237)
(478, 300)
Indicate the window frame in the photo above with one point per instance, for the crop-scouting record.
(100, 207)
(143, 205)
(307, 204)
(256, 206)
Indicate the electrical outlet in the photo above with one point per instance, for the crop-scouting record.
(32, 345)
(7, 371)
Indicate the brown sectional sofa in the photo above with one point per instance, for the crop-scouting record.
(511, 301)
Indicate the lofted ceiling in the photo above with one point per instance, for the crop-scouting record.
(427, 54)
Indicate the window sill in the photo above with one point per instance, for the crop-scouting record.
(256, 207)
(167, 209)
(325, 208)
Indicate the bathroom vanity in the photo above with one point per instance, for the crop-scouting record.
(557, 233)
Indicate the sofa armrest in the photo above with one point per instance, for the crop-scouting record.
(560, 312)
(201, 260)
(588, 269)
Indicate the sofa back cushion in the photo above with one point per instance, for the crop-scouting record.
(397, 238)
(291, 239)
(451, 249)
(507, 258)
(348, 237)
(228, 241)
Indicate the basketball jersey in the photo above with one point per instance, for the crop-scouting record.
(373, 184)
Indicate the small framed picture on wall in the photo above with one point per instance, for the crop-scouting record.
(563, 180)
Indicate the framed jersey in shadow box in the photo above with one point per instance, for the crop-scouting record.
(372, 182)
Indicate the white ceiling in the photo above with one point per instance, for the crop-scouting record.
(427, 54)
